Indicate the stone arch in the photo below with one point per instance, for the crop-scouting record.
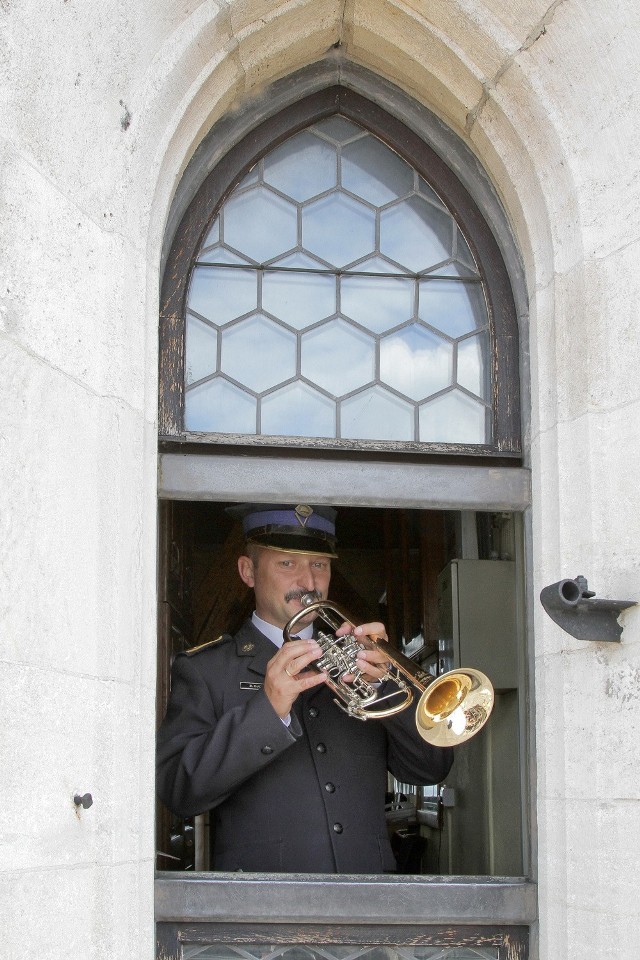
(469, 77)
(472, 72)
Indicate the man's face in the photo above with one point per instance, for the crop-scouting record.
(279, 579)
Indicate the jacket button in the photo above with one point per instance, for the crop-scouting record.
(337, 828)
(266, 750)
(321, 748)
(313, 712)
(329, 787)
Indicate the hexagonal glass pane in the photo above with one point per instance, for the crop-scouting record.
(473, 366)
(453, 418)
(378, 303)
(416, 234)
(221, 294)
(454, 308)
(338, 357)
(338, 229)
(219, 407)
(252, 177)
(214, 234)
(218, 253)
(299, 299)
(201, 350)
(374, 172)
(429, 193)
(463, 252)
(298, 411)
(339, 129)
(260, 224)
(416, 362)
(302, 167)
(258, 353)
(376, 414)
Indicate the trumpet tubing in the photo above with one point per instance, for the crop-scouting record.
(452, 708)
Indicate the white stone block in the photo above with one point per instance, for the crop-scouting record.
(71, 561)
(74, 289)
(67, 734)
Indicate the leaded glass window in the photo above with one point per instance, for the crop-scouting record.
(339, 290)
(335, 296)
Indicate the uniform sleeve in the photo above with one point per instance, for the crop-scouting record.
(410, 758)
(202, 757)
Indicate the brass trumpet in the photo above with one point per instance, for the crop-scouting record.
(452, 708)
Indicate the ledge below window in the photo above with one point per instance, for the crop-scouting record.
(290, 898)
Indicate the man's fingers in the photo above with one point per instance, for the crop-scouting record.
(293, 665)
(287, 675)
(310, 679)
(374, 630)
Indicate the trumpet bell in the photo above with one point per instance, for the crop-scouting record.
(454, 707)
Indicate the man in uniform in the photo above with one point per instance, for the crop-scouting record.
(252, 734)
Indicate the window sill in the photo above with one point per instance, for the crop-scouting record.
(291, 898)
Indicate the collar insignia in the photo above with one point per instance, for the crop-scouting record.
(248, 647)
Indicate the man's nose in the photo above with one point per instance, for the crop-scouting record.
(308, 579)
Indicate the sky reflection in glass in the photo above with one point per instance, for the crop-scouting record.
(378, 303)
(217, 406)
(338, 357)
(416, 234)
(471, 366)
(295, 287)
(302, 167)
(374, 172)
(201, 350)
(222, 294)
(453, 418)
(299, 299)
(338, 229)
(260, 224)
(258, 353)
(377, 414)
(454, 308)
(416, 362)
(298, 411)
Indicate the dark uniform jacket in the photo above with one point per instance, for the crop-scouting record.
(308, 798)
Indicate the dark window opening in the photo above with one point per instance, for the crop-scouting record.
(446, 585)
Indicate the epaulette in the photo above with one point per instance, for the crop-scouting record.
(210, 643)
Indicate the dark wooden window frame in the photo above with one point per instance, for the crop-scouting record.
(204, 208)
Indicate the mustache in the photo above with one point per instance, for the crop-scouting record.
(299, 594)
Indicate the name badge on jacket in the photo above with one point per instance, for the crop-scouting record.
(246, 685)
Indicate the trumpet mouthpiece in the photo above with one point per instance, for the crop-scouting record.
(308, 598)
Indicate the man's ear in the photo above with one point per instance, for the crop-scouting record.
(245, 569)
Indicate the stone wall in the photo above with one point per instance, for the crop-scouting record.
(102, 107)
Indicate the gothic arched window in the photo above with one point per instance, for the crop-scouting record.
(333, 283)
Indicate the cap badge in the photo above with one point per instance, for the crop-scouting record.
(303, 511)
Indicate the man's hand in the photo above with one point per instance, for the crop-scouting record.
(287, 676)
(372, 662)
